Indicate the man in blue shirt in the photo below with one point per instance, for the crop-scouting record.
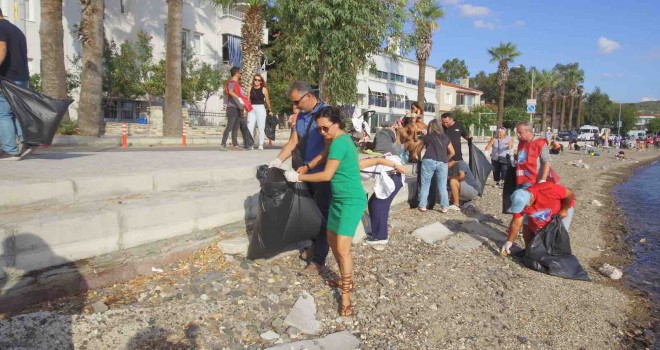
(305, 144)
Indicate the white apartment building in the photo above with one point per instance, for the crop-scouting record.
(391, 87)
(642, 122)
(452, 96)
(212, 33)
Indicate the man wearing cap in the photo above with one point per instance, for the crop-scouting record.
(534, 207)
(385, 138)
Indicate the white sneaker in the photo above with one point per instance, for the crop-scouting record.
(261, 147)
(454, 207)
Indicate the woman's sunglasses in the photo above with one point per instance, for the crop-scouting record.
(325, 129)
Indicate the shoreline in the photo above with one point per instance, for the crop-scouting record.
(640, 314)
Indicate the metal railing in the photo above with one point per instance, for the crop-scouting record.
(200, 118)
(231, 12)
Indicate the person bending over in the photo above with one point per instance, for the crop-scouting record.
(462, 183)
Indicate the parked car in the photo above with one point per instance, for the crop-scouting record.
(566, 135)
(588, 133)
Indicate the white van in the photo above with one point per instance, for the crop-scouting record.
(635, 134)
(588, 132)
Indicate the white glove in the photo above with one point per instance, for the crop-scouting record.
(506, 248)
(291, 175)
(275, 163)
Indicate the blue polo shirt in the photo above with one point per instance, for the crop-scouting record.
(315, 141)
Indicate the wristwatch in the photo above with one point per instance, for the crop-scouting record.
(308, 168)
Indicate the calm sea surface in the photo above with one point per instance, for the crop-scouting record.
(639, 198)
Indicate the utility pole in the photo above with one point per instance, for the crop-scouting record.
(618, 131)
(531, 115)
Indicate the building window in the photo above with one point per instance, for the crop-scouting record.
(231, 50)
(408, 103)
(197, 43)
(185, 44)
(429, 107)
(460, 99)
(411, 81)
(397, 101)
(397, 77)
(448, 100)
(377, 99)
(429, 85)
(379, 74)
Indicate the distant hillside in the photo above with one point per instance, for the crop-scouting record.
(648, 107)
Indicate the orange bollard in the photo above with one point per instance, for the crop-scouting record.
(183, 142)
(124, 137)
(270, 142)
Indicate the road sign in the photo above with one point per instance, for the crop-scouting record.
(531, 105)
(493, 127)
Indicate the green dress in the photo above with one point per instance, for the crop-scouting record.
(348, 197)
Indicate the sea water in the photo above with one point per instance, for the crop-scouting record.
(639, 199)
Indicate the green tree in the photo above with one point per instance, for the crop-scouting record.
(598, 108)
(334, 41)
(425, 15)
(654, 125)
(513, 116)
(628, 116)
(547, 80)
(207, 82)
(503, 54)
(486, 83)
(452, 71)
(518, 87)
(574, 77)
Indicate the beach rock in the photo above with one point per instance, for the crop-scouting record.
(596, 203)
(270, 335)
(303, 315)
(336, 341)
(611, 271)
(99, 307)
(234, 246)
(463, 242)
(433, 233)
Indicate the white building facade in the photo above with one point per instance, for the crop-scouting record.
(642, 122)
(451, 96)
(211, 33)
(391, 87)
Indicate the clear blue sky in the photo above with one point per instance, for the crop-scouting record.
(617, 43)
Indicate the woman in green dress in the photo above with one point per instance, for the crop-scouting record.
(348, 197)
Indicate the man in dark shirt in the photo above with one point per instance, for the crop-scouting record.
(455, 131)
(385, 138)
(13, 66)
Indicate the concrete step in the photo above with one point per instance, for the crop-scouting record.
(102, 187)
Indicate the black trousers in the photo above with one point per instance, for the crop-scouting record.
(233, 123)
(499, 170)
(322, 195)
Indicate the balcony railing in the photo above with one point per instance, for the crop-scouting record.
(231, 12)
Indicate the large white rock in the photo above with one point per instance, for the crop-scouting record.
(343, 340)
(303, 315)
(236, 245)
(433, 233)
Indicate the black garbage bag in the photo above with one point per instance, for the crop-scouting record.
(550, 252)
(480, 166)
(434, 191)
(509, 187)
(248, 141)
(271, 124)
(287, 214)
(38, 114)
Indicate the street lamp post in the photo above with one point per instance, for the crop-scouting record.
(531, 115)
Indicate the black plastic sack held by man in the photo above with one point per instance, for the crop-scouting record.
(38, 114)
(550, 252)
(480, 166)
(287, 214)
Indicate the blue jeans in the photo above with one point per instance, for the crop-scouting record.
(9, 125)
(437, 171)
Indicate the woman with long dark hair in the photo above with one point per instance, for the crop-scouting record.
(260, 101)
(348, 197)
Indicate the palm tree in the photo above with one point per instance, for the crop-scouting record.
(172, 114)
(574, 76)
(504, 54)
(547, 81)
(251, 34)
(51, 34)
(90, 32)
(425, 15)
